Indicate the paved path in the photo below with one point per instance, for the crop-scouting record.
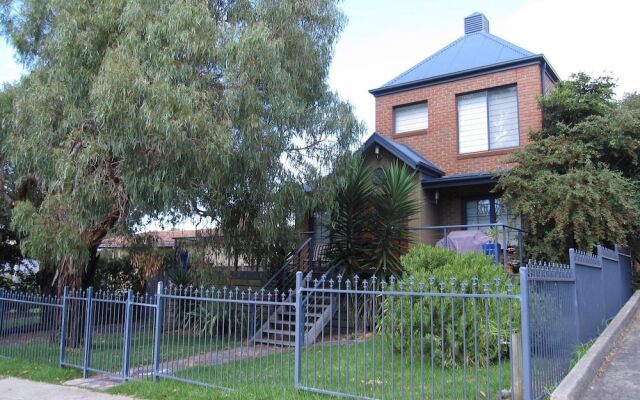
(619, 377)
(21, 389)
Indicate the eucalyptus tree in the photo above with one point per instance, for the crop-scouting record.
(137, 108)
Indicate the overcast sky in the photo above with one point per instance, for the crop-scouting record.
(384, 38)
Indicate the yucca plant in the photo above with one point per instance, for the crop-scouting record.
(393, 208)
(369, 225)
(351, 219)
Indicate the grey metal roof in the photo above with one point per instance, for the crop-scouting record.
(403, 152)
(479, 50)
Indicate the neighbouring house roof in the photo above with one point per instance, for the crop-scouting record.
(477, 52)
(450, 181)
(404, 153)
(155, 238)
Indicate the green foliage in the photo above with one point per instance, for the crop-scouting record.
(407, 322)
(580, 351)
(118, 274)
(350, 220)
(369, 223)
(576, 183)
(170, 108)
(393, 206)
(201, 318)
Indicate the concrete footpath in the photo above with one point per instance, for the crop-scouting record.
(21, 389)
(619, 376)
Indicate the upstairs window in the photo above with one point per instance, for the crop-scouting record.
(411, 118)
(488, 120)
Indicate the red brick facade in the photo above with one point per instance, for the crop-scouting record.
(439, 143)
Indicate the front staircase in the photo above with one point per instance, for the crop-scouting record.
(319, 308)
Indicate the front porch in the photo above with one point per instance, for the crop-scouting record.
(501, 241)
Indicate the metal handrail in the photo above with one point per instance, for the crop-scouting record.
(327, 274)
(286, 264)
(438, 227)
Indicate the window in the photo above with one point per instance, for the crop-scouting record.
(488, 120)
(490, 211)
(378, 176)
(411, 118)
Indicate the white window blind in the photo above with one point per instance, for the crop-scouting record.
(411, 118)
(472, 122)
(488, 120)
(503, 118)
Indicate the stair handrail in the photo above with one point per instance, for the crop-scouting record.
(286, 264)
(340, 265)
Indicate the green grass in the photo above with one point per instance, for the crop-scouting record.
(363, 369)
(106, 353)
(366, 368)
(171, 390)
(36, 371)
(579, 351)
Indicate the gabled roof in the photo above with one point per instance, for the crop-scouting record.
(404, 153)
(476, 52)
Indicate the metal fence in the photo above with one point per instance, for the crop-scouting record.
(409, 339)
(569, 305)
(363, 338)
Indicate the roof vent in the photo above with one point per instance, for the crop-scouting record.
(476, 22)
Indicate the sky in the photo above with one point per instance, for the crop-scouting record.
(384, 38)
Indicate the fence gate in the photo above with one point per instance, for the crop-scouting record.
(108, 332)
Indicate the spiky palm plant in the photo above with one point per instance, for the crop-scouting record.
(369, 225)
(351, 220)
(393, 207)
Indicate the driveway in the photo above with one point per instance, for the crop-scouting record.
(21, 389)
(619, 377)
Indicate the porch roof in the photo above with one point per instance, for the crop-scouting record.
(480, 178)
(404, 153)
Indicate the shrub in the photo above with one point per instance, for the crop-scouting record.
(408, 321)
(118, 274)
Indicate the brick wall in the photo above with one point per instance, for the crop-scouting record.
(439, 143)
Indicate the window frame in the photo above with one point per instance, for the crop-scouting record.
(486, 91)
(414, 132)
(493, 216)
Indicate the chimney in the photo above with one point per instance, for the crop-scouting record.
(476, 22)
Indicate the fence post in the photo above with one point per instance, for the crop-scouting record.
(526, 337)
(1, 310)
(156, 332)
(576, 306)
(520, 255)
(87, 333)
(63, 323)
(126, 351)
(505, 258)
(299, 331)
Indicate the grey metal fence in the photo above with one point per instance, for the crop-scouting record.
(569, 305)
(362, 338)
(409, 339)
(30, 327)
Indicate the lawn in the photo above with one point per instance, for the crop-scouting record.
(366, 368)
(36, 371)
(360, 369)
(106, 352)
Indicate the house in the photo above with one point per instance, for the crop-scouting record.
(454, 118)
(202, 246)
